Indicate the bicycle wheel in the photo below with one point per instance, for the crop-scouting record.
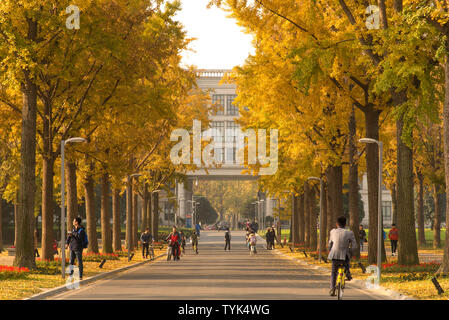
(339, 291)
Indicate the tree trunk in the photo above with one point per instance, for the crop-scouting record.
(295, 220)
(1, 223)
(129, 213)
(313, 219)
(48, 235)
(144, 208)
(436, 218)
(307, 215)
(372, 165)
(91, 219)
(301, 221)
(16, 214)
(149, 209)
(106, 238)
(330, 206)
(338, 193)
(353, 181)
(155, 216)
(408, 250)
(445, 265)
(27, 180)
(421, 233)
(72, 196)
(135, 220)
(395, 203)
(323, 220)
(116, 234)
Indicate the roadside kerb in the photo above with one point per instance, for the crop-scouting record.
(63, 288)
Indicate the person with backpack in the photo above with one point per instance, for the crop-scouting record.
(227, 240)
(77, 241)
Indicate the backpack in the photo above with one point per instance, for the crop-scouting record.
(84, 240)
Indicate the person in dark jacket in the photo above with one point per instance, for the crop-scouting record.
(146, 238)
(75, 241)
(268, 238)
(362, 237)
(227, 240)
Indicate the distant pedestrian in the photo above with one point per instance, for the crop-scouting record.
(252, 243)
(174, 239)
(183, 242)
(146, 239)
(227, 240)
(36, 238)
(272, 238)
(268, 238)
(198, 229)
(362, 236)
(393, 235)
(77, 241)
(194, 238)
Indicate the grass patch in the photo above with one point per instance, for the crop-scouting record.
(39, 280)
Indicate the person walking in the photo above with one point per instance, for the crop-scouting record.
(146, 238)
(36, 238)
(362, 236)
(183, 242)
(227, 240)
(268, 238)
(252, 243)
(197, 229)
(174, 239)
(339, 250)
(393, 235)
(194, 238)
(273, 238)
(77, 241)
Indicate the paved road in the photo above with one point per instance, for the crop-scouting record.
(215, 274)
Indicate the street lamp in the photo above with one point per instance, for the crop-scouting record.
(379, 205)
(63, 143)
(321, 215)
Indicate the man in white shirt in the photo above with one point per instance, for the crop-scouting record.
(340, 241)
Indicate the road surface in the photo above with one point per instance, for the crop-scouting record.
(214, 274)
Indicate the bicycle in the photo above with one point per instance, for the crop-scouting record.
(195, 248)
(151, 251)
(340, 283)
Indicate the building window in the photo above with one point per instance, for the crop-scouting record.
(232, 129)
(219, 99)
(231, 108)
(218, 136)
(386, 210)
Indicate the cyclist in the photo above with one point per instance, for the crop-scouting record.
(340, 241)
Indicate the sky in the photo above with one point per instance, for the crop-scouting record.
(220, 44)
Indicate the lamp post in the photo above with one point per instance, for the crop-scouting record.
(63, 143)
(321, 214)
(255, 208)
(379, 205)
(130, 212)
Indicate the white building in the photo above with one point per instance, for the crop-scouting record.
(225, 131)
(387, 209)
